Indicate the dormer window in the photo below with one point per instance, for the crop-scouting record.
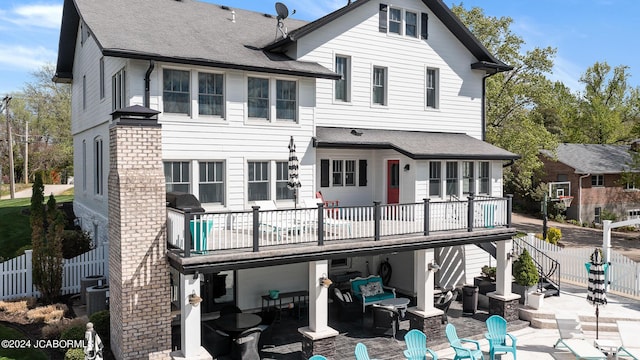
(393, 20)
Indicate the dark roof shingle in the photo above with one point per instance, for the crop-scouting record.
(593, 158)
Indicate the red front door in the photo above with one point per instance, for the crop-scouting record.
(393, 181)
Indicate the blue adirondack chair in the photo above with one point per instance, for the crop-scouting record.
(461, 351)
(416, 342)
(317, 357)
(497, 336)
(361, 352)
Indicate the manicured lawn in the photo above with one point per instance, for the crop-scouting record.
(15, 231)
(17, 354)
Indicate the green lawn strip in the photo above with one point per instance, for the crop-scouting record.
(15, 231)
(18, 354)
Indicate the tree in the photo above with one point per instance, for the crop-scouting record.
(513, 96)
(47, 227)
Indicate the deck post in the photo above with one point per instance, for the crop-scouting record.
(427, 216)
(320, 224)
(376, 220)
(509, 209)
(256, 228)
(187, 232)
(470, 213)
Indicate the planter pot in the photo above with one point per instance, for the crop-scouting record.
(536, 300)
(523, 291)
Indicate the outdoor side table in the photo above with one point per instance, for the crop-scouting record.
(399, 304)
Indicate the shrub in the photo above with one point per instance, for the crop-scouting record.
(74, 243)
(48, 314)
(524, 270)
(74, 354)
(101, 324)
(53, 331)
(14, 307)
(608, 215)
(22, 249)
(553, 236)
(489, 271)
(73, 333)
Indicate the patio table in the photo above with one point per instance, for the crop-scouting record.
(399, 304)
(234, 324)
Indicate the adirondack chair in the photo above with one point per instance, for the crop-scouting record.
(317, 357)
(417, 349)
(361, 352)
(462, 352)
(497, 336)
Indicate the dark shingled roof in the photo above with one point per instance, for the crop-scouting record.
(414, 144)
(185, 31)
(593, 158)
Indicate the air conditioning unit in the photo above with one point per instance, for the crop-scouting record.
(88, 281)
(97, 297)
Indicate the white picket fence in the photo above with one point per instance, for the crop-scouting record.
(623, 272)
(16, 274)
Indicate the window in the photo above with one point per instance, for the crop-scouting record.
(98, 174)
(452, 178)
(212, 182)
(286, 100)
(468, 180)
(176, 176)
(282, 178)
(484, 178)
(118, 90)
(175, 95)
(630, 185)
(84, 92)
(633, 214)
(395, 21)
(350, 173)
(84, 165)
(342, 84)
(258, 97)
(337, 172)
(597, 180)
(597, 218)
(379, 85)
(432, 88)
(210, 94)
(101, 78)
(411, 24)
(435, 175)
(258, 186)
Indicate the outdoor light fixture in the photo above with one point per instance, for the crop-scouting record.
(407, 167)
(433, 266)
(194, 299)
(325, 281)
(512, 254)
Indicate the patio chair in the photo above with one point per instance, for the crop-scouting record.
(361, 352)
(497, 336)
(216, 342)
(332, 223)
(273, 221)
(444, 302)
(317, 357)
(245, 346)
(417, 349)
(629, 331)
(462, 352)
(385, 318)
(348, 310)
(572, 338)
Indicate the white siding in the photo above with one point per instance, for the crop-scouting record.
(257, 282)
(356, 35)
(475, 258)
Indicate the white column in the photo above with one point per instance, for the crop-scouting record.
(424, 279)
(318, 303)
(190, 321)
(503, 267)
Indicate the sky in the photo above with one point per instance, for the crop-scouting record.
(582, 31)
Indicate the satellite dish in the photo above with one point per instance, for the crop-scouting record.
(282, 10)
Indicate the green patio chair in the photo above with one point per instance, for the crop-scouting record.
(497, 336)
(417, 349)
(461, 351)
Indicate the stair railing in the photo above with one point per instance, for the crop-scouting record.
(548, 267)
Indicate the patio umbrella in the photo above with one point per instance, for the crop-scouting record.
(294, 164)
(595, 292)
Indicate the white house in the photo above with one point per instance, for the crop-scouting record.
(383, 100)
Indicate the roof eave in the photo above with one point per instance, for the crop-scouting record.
(491, 68)
(67, 42)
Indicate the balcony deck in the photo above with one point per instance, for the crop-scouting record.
(233, 240)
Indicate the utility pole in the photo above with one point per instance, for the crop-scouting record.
(12, 185)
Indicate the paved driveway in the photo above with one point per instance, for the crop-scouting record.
(627, 243)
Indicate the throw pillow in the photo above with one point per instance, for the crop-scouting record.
(366, 290)
(347, 297)
(338, 294)
(376, 288)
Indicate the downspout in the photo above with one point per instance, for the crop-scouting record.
(147, 81)
(580, 197)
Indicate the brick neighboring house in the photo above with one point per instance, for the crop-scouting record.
(592, 174)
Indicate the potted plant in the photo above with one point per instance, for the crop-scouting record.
(525, 274)
(535, 300)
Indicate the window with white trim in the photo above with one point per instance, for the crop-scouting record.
(343, 65)
(258, 181)
(484, 178)
(597, 215)
(177, 176)
(411, 24)
(258, 97)
(98, 166)
(379, 85)
(432, 88)
(630, 185)
(350, 173)
(452, 178)
(211, 185)
(176, 96)
(343, 172)
(286, 104)
(395, 21)
(597, 180)
(118, 90)
(338, 173)
(210, 94)
(435, 179)
(468, 179)
(282, 178)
